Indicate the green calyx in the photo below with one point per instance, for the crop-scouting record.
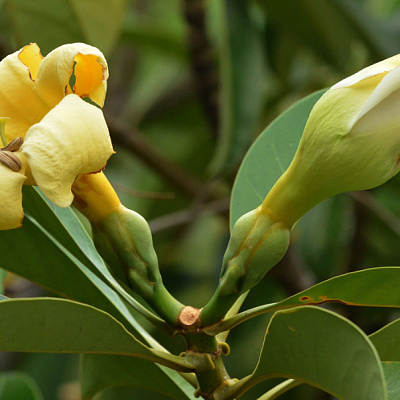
(125, 242)
(257, 243)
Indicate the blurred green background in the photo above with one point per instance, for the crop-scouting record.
(192, 83)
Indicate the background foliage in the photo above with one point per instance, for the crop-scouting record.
(192, 83)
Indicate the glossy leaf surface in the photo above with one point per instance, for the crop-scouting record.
(63, 326)
(322, 349)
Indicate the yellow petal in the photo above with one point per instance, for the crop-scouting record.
(85, 62)
(18, 99)
(71, 140)
(11, 212)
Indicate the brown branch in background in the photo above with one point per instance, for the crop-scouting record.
(142, 194)
(181, 180)
(202, 60)
(185, 217)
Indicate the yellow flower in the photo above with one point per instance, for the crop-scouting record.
(53, 104)
(351, 142)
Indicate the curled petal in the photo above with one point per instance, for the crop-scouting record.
(379, 68)
(71, 140)
(18, 100)
(11, 212)
(73, 68)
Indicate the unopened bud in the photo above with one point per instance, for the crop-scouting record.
(351, 142)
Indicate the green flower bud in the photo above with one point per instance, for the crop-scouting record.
(351, 142)
(257, 243)
(124, 240)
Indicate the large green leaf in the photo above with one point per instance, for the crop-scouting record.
(58, 254)
(323, 349)
(374, 287)
(268, 157)
(96, 22)
(63, 326)
(387, 341)
(392, 377)
(62, 257)
(242, 81)
(18, 385)
(103, 371)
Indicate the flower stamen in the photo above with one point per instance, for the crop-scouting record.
(10, 160)
(14, 145)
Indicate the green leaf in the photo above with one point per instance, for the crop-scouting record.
(18, 385)
(386, 341)
(323, 349)
(373, 287)
(63, 258)
(64, 326)
(242, 81)
(95, 22)
(103, 371)
(392, 377)
(269, 156)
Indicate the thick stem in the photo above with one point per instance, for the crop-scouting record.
(211, 373)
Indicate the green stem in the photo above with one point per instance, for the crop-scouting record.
(230, 323)
(206, 352)
(278, 390)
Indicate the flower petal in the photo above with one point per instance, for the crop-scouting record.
(379, 68)
(85, 64)
(11, 212)
(71, 140)
(18, 99)
(389, 84)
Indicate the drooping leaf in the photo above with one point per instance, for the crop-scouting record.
(18, 385)
(103, 371)
(64, 326)
(242, 78)
(323, 349)
(268, 157)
